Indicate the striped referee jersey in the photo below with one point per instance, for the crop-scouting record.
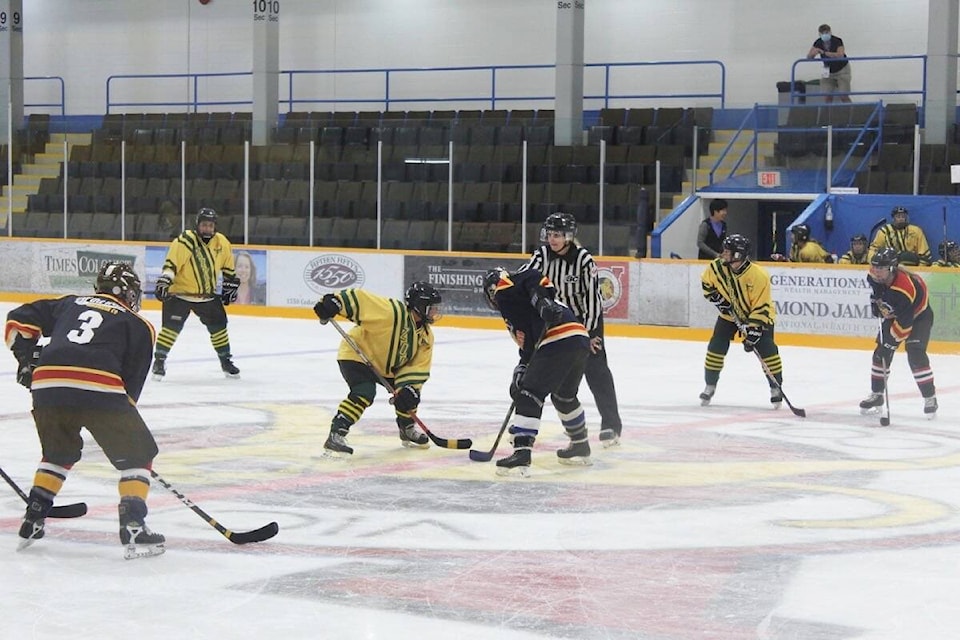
(574, 274)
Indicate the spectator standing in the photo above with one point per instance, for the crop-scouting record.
(836, 68)
(713, 231)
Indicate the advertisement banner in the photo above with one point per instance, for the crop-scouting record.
(944, 290)
(300, 278)
(459, 280)
(822, 302)
(59, 269)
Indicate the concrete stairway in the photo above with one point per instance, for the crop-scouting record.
(47, 164)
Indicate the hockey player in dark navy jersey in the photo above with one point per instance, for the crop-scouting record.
(900, 298)
(553, 351)
(89, 375)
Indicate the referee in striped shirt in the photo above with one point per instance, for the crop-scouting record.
(573, 272)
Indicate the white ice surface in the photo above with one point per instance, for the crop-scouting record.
(729, 521)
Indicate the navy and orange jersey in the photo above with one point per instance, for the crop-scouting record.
(900, 302)
(513, 296)
(99, 352)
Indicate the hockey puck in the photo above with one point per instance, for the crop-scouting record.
(884, 422)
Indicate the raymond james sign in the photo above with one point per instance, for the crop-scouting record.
(822, 302)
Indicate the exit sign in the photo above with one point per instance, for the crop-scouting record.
(768, 179)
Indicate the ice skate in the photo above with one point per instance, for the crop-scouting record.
(137, 539)
(31, 529)
(336, 445)
(229, 369)
(872, 403)
(159, 368)
(576, 453)
(930, 407)
(517, 463)
(776, 397)
(609, 438)
(413, 438)
(707, 394)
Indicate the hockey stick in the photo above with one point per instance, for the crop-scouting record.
(74, 510)
(236, 537)
(801, 413)
(875, 227)
(487, 456)
(885, 410)
(446, 443)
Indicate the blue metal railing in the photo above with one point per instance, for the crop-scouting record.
(921, 92)
(63, 100)
(389, 97)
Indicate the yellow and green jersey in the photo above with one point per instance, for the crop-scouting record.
(748, 291)
(195, 265)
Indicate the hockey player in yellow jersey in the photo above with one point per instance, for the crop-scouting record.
(908, 240)
(858, 251)
(804, 248)
(395, 336)
(949, 255)
(740, 290)
(188, 284)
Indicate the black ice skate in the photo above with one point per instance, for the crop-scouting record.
(137, 539)
(576, 453)
(872, 403)
(229, 369)
(517, 463)
(930, 407)
(336, 445)
(707, 394)
(31, 529)
(776, 397)
(159, 368)
(413, 438)
(609, 438)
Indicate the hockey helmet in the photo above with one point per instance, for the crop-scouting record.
(886, 257)
(559, 222)
(118, 279)
(950, 251)
(900, 217)
(491, 282)
(739, 247)
(206, 214)
(423, 298)
(858, 244)
(801, 232)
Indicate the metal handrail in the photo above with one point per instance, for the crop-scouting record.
(388, 96)
(63, 93)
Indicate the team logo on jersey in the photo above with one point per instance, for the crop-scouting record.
(332, 272)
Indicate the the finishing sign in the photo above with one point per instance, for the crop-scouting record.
(768, 179)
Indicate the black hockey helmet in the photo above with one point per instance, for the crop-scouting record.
(949, 251)
(900, 217)
(423, 298)
(118, 279)
(801, 232)
(886, 257)
(739, 247)
(562, 222)
(858, 244)
(491, 280)
(206, 214)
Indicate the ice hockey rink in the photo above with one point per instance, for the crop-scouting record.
(722, 522)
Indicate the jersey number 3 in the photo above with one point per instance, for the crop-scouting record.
(90, 320)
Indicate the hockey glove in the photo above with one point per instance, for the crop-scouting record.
(407, 400)
(28, 355)
(162, 292)
(518, 372)
(751, 336)
(723, 306)
(887, 343)
(328, 307)
(229, 290)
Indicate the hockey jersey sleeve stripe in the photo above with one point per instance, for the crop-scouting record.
(13, 328)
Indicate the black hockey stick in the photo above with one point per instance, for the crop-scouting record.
(873, 229)
(885, 410)
(487, 456)
(236, 537)
(74, 510)
(801, 413)
(446, 443)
